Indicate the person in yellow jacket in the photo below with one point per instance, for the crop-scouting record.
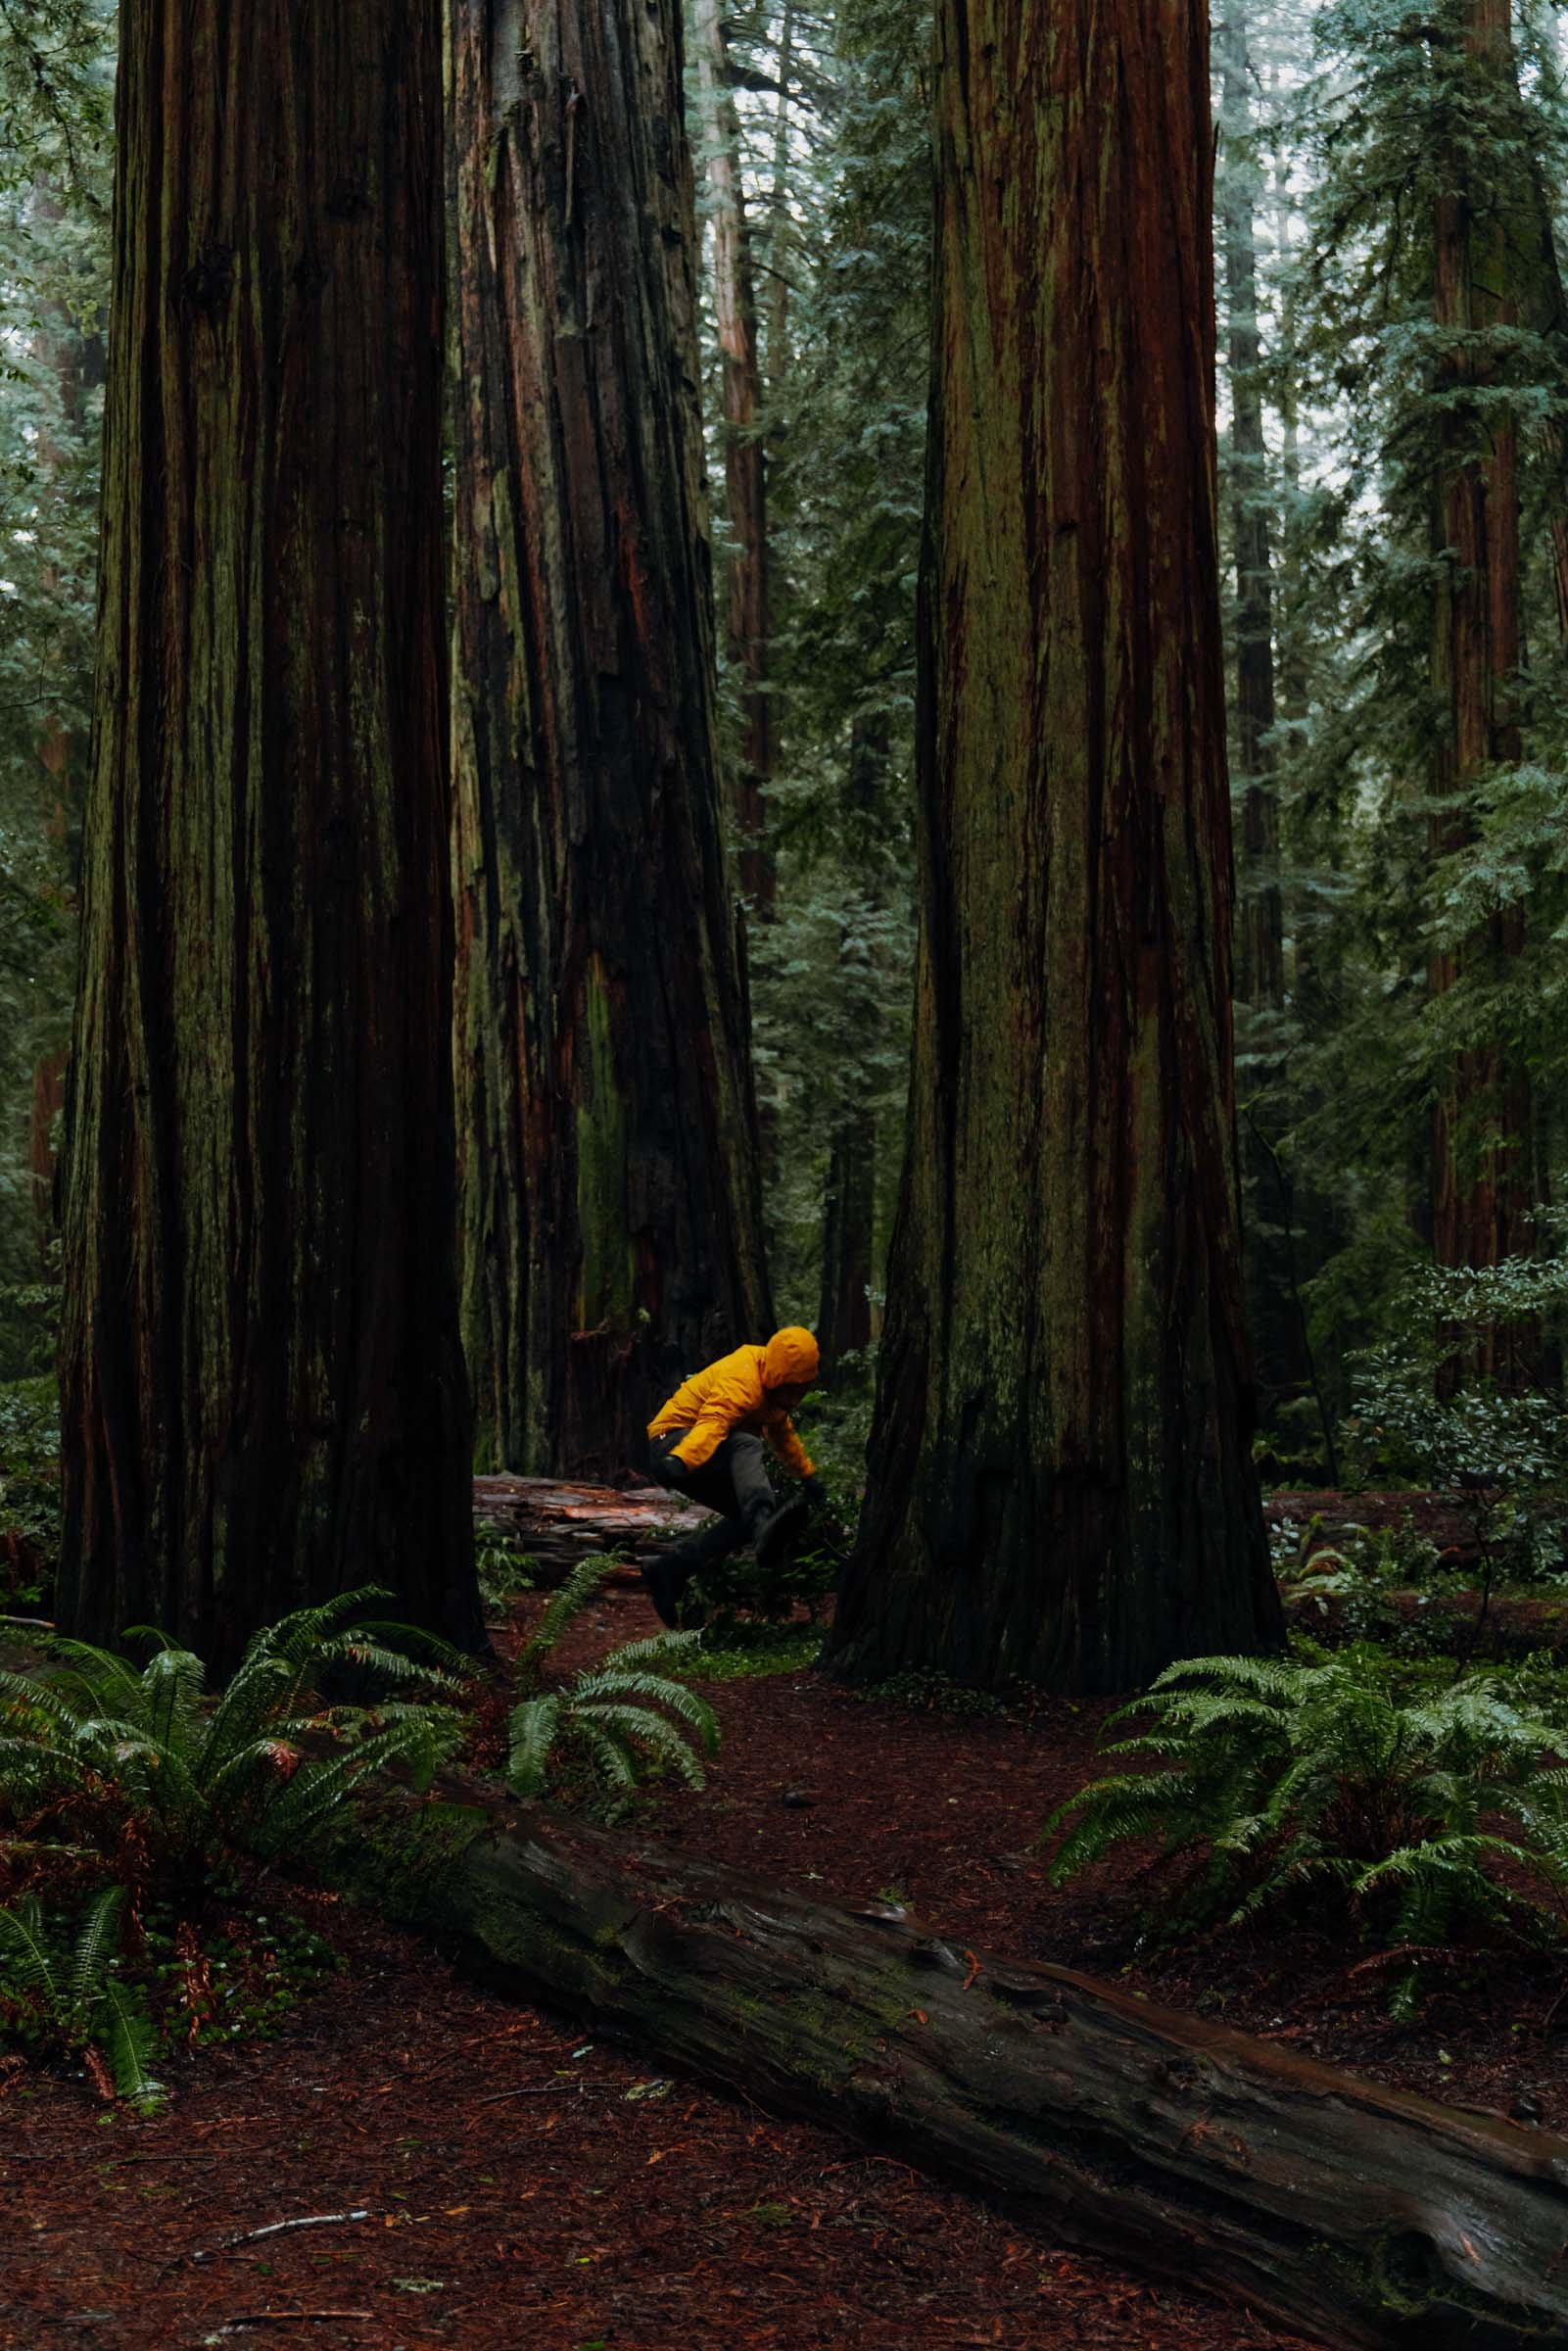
(707, 1443)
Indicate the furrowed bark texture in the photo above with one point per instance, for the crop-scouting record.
(1363, 2216)
(1482, 1184)
(1060, 1483)
(263, 1399)
(746, 464)
(610, 1197)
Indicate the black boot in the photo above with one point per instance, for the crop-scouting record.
(666, 1580)
(776, 1540)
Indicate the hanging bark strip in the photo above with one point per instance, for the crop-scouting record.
(610, 1197)
(1062, 1486)
(1483, 1184)
(1200, 2156)
(746, 464)
(262, 1391)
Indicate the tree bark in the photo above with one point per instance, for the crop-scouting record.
(611, 1201)
(557, 1525)
(1366, 2216)
(262, 1392)
(1062, 1486)
(746, 464)
(1483, 1186)
(1261, 930)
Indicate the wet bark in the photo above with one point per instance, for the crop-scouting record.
(1062, 1485)
(610, 1197)
(1259, 918)
(1366, 2217)
(748, 617)
(1483, 1186)
(262, 1392)
(844, 1318)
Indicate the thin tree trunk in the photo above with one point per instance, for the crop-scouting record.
(262, 1392)
(781, 224)
(849, 1216)
(1259, 943)
(611, 1209)
(1371, 2219)
(746, 464)
(1481, 1181)
(1061, 1483)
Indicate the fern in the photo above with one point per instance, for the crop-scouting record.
(247, 1774)
(622, 1719)
(1342, 1781)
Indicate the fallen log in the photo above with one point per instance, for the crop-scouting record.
(1362, 2216)
(1451, 1522)
(557, 1524)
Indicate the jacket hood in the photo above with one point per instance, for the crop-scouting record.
(790, 1360)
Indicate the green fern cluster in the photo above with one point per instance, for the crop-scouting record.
(77, 2002)
(263, 1770)
(614, 1721)
(1346, 1781)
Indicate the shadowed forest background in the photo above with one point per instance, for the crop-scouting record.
(668, 672)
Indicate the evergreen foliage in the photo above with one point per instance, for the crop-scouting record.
(1343, 1785)
(610, 1728)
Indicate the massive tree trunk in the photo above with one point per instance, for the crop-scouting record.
(611, 1210)
(746, 464)
(262, 1392)
(1260, 945)
(1060, 1478)
(1366, 2217)
(1482, 1177)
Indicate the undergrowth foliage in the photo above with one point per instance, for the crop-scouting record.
(132, 1804)
(619, 1723)
(1418, 1813)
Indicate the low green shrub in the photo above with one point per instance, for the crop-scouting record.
(619, 1724)
(30, 1490)
(1348, 1783)
(135, 1810)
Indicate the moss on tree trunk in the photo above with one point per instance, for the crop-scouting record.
(610, 1199)
(262, 1391)
(1060, 1477)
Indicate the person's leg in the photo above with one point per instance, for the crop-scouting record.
(715, 1487)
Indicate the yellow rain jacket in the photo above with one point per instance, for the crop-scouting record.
(734, 1393)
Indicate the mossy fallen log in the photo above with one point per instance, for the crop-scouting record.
(1358, 2215)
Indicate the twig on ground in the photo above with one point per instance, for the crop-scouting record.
(249, 2236)
(284, 2318)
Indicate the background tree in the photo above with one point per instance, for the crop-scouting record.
(611, 1205)
(1061, 1481)
(262, 1394)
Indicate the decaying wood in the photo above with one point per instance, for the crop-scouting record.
(557, 1524)
(1363, 2215)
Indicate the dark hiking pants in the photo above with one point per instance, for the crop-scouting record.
(733, 1481)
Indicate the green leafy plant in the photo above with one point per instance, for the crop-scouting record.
(618, 1723)
(29, 1490)
(118, 1759)
(502, 1568)
(1347, 1782)
(64, 1995)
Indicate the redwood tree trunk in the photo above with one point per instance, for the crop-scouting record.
(262, 1392)
(1060, 1478)
(1482, 1179)
(611, 1218)
(745, 466)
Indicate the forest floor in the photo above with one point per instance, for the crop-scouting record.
(495, 2177)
